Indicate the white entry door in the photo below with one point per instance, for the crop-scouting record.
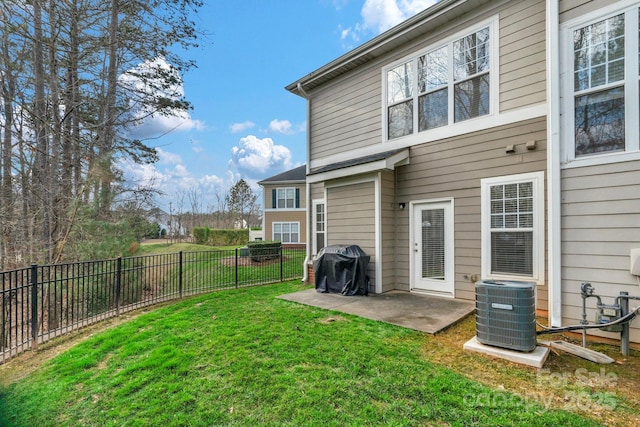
(432, 248)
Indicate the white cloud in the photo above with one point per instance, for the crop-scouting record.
(280, 126)
(172, 178)
(241, 127)
(260, 158)
(140, 84)
(380, 15)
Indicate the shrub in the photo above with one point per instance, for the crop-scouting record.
(228, 237)
(264, 250)
(201, 235)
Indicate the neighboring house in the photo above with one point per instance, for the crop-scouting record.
(428, 148)
(285, 211)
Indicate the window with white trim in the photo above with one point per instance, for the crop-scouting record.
(449, 83)
(512, 227)
(319, 221)
(286, 232)
(285, 198)
(602, 86)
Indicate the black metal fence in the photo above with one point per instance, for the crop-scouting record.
(44, 301)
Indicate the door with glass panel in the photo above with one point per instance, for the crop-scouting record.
(432, 248)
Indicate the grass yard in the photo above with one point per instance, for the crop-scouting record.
(244, 357)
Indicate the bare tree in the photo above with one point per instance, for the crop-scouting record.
(67, 74)
(242, 202)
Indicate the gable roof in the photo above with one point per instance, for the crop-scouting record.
(298, 174)
(424, 22)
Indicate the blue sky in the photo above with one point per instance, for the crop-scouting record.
(244, 123)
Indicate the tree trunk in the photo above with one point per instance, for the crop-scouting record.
(41, 171)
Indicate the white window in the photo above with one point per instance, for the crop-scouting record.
(319, 221)
(513, 227)
(286, 198)
(442, 85)
(286, 232)
(601, 88)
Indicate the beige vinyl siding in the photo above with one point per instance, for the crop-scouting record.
(346, 113)
(522, 55)
(454, 168)
(346, 116)
(570, 9)
(284, 215)
(388, 207)
(317, 191)
(267, 193)
(351, 219)
(600, 224)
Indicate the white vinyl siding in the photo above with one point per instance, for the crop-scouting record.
(513, 227)
(601, 87)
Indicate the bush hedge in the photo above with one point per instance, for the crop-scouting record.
(219, 237)
(264, 250)
(201, 235)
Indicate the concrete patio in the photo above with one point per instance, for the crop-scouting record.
(424, 313)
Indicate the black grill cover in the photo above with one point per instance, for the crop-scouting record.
(341, 269)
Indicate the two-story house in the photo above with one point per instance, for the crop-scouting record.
(285, 212)
(481, 140)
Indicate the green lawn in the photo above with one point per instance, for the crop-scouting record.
(244, 357)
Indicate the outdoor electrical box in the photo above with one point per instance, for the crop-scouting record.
(506, 314)
(634, 256)
(607, 314)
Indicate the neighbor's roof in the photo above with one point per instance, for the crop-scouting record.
(298, 174)
(424, 22)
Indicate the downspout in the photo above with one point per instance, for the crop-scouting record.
(553, 166)
(309, 225)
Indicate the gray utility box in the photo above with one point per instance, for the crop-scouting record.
(506, 314)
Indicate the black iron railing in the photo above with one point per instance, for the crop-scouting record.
(44, 301)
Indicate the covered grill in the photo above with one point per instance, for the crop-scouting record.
(342, 269)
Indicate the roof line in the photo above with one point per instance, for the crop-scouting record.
(374, 43)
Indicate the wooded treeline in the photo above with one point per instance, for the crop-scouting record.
(76, 76)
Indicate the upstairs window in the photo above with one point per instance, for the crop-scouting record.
(441, 86)
(285, 198)
(601, 86)
(598, 77)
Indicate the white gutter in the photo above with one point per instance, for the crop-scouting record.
(309, 226)
(553, 166)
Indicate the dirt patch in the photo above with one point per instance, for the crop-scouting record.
(332, 319)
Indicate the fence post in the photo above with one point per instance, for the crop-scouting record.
(180, 274)
(236, 268)
(281, 263)
(118, 283)
(34, 306)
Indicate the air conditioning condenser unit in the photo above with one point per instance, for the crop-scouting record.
(506, 314)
